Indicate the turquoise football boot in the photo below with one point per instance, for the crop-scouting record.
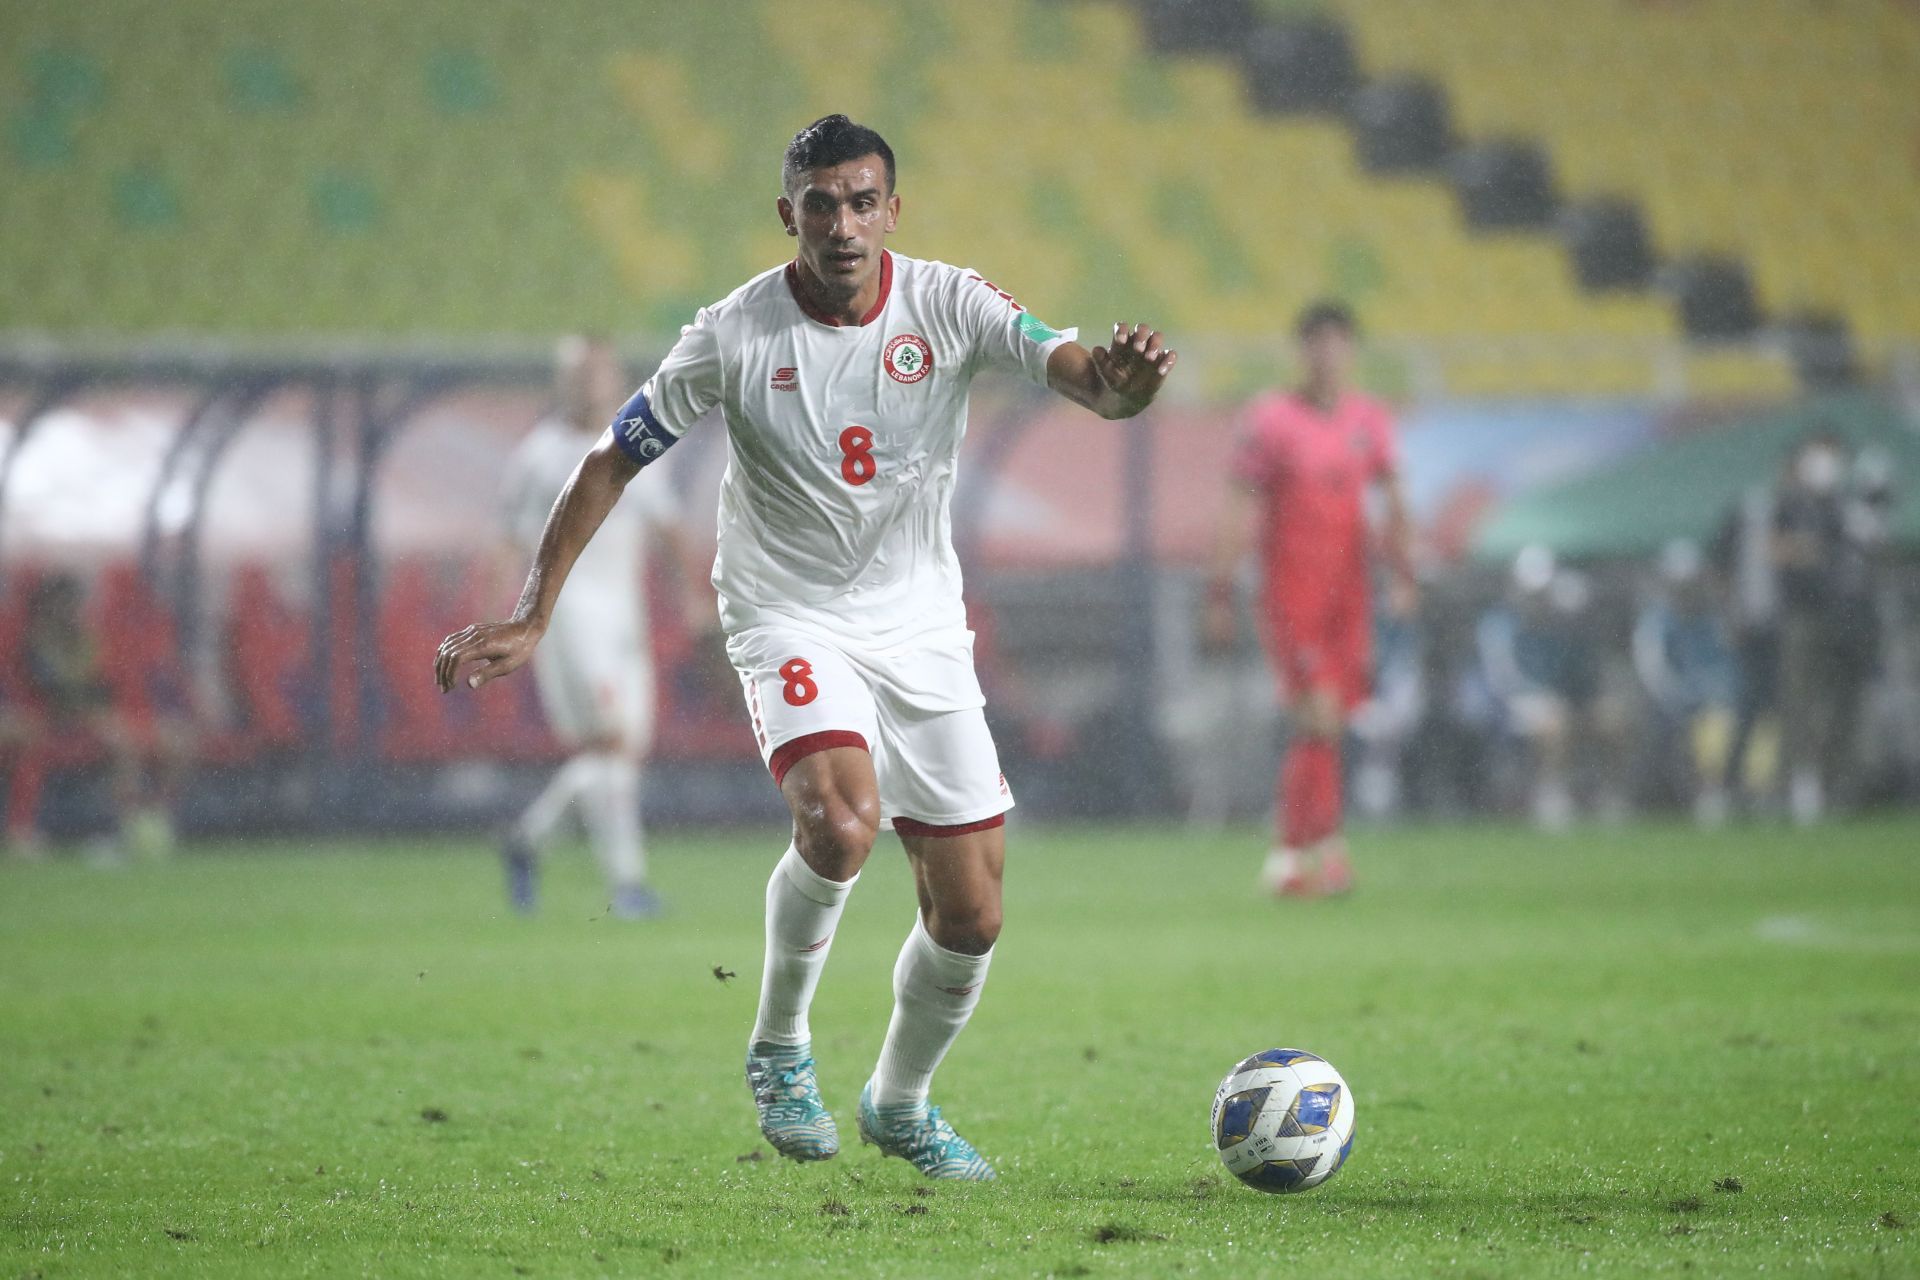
(787, 1096)
(920, 1137)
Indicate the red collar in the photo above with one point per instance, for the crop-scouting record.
(873, 312)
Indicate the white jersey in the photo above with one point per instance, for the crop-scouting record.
(842, 443)
(607, 581)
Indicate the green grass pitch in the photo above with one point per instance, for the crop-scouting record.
(1648, 1051)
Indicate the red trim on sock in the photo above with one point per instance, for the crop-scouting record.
(909, 827)
(792, 752)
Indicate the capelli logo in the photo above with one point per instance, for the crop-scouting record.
(786, 379)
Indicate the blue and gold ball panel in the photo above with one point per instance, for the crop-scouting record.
(1313, 1111)
(1280, 1175)
(1278, 1058)
(1237, 1117)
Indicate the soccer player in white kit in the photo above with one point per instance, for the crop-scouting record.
(595, 669)
(842, 378)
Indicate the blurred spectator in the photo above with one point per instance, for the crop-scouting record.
(1745, 558)
(1685, 662)
(19, 738)
(1384, 724)
(268, 660)
(1824, 537)
(71, 717)
(1447, 765)
(1542, 666)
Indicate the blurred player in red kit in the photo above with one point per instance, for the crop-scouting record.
(1298, 495)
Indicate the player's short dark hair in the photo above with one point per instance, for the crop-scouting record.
(828, 141)
(1327, 313)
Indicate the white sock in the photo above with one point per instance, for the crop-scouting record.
(1282, 864)
(1806, 797)
(549, 809)
(803, 909)
(610, 807)
(1552, 804)
(934, 993)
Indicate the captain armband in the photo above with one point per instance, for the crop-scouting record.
(641, 435)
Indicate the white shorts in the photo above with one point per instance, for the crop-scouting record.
(916, 711)
(596, 682)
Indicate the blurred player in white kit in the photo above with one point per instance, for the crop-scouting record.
(595, 670)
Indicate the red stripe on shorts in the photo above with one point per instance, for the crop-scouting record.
(789, 754)
(908, 827)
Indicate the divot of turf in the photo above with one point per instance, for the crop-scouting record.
(1122, 1233)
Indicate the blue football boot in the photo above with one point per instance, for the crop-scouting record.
(920, 1137)
(517, 859)
(637, 902)
(787, 1096)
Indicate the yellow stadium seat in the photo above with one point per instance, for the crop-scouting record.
(449, 168)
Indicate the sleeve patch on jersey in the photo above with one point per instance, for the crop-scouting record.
(1036, 330)
(640, 435)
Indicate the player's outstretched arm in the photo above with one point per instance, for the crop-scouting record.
(1115, 381)
(496, 648)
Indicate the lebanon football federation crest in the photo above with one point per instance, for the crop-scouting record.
(908, 358)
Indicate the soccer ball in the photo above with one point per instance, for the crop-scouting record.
(1283, 1121)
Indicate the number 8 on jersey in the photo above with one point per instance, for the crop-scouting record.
(856, 455)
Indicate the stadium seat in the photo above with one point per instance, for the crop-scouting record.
(268, 661)
(1779, 130)
(436, 169)
(139, 649)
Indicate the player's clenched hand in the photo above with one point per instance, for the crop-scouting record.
(494, 649)
(1135, 364)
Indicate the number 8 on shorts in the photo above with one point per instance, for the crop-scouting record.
(799, 689)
